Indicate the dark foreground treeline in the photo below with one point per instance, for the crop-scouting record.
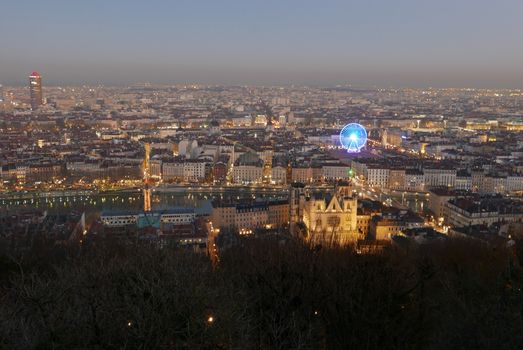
(264, 295)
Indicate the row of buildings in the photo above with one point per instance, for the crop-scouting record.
(454, 208)
(174, 227)
(425, 176)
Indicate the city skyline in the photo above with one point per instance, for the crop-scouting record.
(203, 174)
(405, 44)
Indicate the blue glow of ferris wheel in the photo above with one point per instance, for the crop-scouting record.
(353, 137)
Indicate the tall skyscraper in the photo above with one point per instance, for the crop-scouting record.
(2, 98)
(35, 89)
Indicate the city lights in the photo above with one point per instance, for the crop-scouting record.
(261, 175)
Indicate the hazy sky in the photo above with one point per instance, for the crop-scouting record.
(443, 43)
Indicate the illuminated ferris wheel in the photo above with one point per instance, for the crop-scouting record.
(353, 137)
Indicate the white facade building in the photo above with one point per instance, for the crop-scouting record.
(335, 172)
(243, 174)
(438, 177)
(377, 176)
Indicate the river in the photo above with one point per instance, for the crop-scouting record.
(199, 198)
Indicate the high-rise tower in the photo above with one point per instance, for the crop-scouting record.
(35, 90)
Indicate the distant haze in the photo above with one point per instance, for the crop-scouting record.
(417, 43)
